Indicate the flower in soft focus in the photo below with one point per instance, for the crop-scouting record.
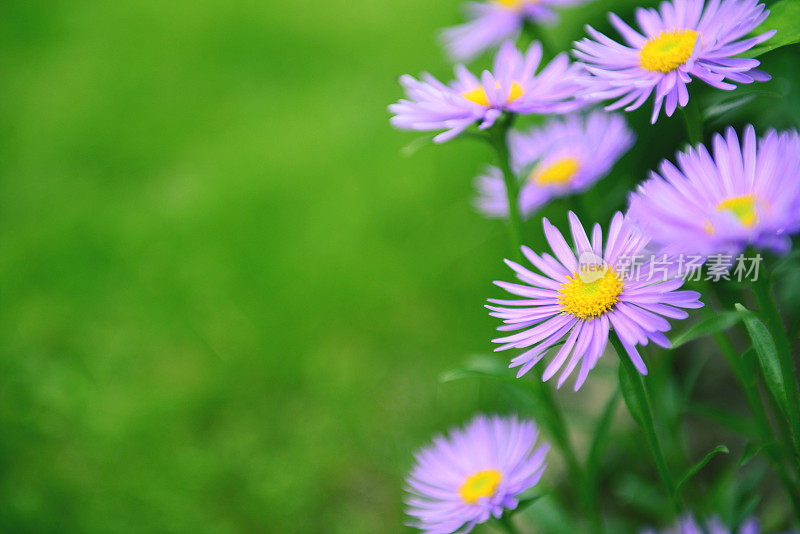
(513, 86)
(474, 473)
(688, 525)
(564, 157)
(744, 195)
(685, 39)
(584, 291)
(490, 23)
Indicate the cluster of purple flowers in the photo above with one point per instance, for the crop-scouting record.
(565, 156)
(567, 304)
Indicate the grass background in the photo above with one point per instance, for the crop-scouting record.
(225, 294)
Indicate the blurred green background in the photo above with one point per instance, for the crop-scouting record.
(226, 296)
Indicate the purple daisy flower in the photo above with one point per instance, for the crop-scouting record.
(514, 87)
(582, 293)
(744, 195)
(688, 525)
(490, 23)
(684, 39)
(564, 157)
(476, 472)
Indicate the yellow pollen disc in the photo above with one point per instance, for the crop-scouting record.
(667, 51)
(481, 484)
(559, 173)
(510, 4)
(743, 208)
(590, 293)
(478, 95)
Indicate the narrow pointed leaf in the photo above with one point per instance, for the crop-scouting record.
(734, 422)
(527, 501)
(767, 355)
(414, 146)
(550, 516)
(480, 366)
(525, 389)
(709, 325)
(699, 465)
(751, 449)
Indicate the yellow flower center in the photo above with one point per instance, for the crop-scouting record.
(590, 293)
(478, 95)
(668, 51)
(510, 4)
(743, 208)
(559, 173)
(481, 484)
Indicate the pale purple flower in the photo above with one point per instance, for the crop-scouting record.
(492, 22)
(584, 291)
(513, 86)
(561, 158)
(744, 195)
(683, 40)
(688, 525)
(474, 473)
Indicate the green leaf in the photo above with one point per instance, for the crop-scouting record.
(750, 365)
(785, 17)
(485, 366)
(728, 420)
(550, 516)
(722, 104)
(529, 392)
(709, 325)
(767, 354)
(414, 146)
(751, 449)
(626, 387)
(527, 501)
(427, 140)
(785, 264)
(692, 374)
(699, 465)
(480, 366)
(526, 171)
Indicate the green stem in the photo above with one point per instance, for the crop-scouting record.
(579, 477)
(498, 138)
(769, 313)
(647, 421)
(585, 206)
(693, 121)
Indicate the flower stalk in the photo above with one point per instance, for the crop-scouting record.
(498, 139)
(693, 120)
(647, 421)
